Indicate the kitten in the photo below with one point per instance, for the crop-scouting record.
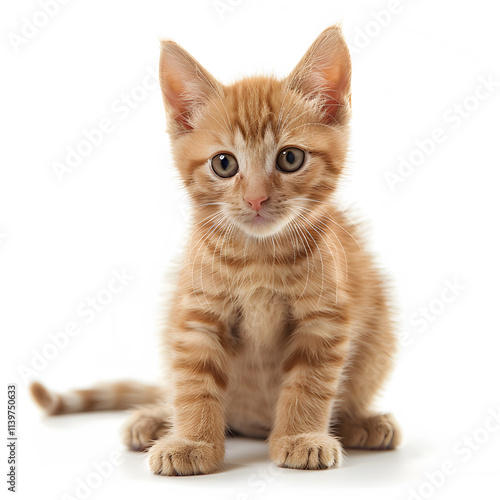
(280, 327)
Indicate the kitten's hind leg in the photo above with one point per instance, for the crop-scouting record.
(145, 425)
(356, 423)
(376, 432)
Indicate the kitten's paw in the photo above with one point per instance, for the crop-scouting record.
(380, 432)
(144, 427)
(176, 456)
(306, 451)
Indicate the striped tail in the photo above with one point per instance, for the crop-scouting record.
(111, 396)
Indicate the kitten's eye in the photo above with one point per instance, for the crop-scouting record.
(290, 159)
(224, 165)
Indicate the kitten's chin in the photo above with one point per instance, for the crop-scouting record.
(261, 227)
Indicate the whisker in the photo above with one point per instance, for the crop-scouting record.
(210, 232)
(334, 259)
(320, 256)
(332, 220)
(311, 213)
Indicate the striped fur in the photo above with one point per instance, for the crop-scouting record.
(111, 396)
(279, 328)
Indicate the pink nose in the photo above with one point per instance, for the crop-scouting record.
(256, 203)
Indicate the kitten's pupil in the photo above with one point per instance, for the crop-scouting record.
(290, 159)
(224, 165)
(224, 162)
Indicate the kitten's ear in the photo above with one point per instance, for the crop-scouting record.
(186, 86)
(325, 73)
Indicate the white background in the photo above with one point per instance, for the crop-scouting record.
(121, 208)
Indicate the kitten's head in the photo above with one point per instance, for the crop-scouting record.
(261, 152)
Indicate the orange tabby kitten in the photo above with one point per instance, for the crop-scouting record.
(280, 326)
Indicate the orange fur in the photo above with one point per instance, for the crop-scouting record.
(280, 326)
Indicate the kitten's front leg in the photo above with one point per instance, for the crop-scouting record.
(313, 363)
(195, 445)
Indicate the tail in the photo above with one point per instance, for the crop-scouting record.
(111, 396)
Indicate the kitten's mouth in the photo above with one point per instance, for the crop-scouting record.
(259, 219)
(261, 225)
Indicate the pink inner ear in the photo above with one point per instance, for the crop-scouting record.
(334, 91)
(332, 104)
(178, 104)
